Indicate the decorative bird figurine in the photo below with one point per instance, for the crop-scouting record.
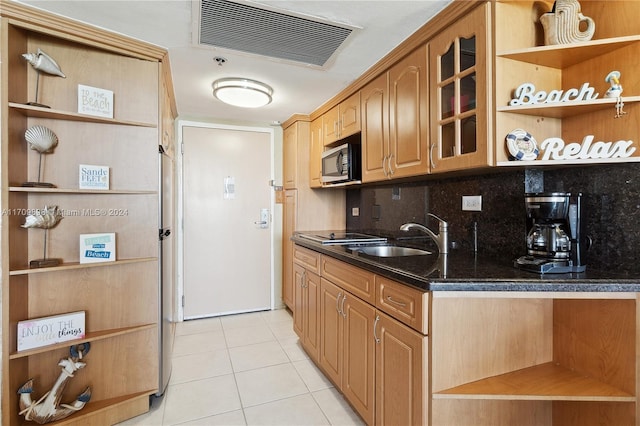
(615, 91)
(44, 63)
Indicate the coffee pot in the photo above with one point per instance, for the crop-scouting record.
(554, 233)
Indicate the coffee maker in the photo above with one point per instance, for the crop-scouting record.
(554, 233)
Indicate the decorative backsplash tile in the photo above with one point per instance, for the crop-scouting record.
(611, 205)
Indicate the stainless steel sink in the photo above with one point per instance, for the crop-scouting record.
(389, 251)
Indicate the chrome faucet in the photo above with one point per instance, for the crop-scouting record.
(441, 239)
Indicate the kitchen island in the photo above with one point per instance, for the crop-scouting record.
(499, 345)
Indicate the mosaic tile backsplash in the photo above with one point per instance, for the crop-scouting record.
(611, 210)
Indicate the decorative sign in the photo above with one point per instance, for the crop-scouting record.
(555, 149)
(526, 94)
(97, 248)
(93, 177)
(38, 332)
(94, 101)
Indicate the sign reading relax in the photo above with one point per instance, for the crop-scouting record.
(556, 149)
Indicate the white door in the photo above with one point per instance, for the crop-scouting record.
(227, 205)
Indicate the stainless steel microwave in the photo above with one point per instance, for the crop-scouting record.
(341, 164)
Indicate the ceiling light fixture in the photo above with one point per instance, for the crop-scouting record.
(242, 92)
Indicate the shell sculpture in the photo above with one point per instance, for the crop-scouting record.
(41, 139)
(44, 63)
(46, 218)
(562, 24)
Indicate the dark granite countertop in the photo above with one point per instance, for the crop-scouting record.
(467, 271)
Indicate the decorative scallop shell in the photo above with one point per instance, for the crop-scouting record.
(41, 139)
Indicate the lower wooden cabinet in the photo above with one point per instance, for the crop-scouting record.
(379, 363)
(401, 374)
(347, 346)
(306, 293)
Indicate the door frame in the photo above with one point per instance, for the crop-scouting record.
(180, 212)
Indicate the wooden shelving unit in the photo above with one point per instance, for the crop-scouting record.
(548, 381)
(521, 59)
(120, 298)
(523, 353)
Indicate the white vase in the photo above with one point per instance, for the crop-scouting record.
(562, 25)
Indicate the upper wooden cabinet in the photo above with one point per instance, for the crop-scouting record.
(394, 110)
(460, 80)
(375, 129)
(342, 120)
(315, 154)
(408, 116)
(290, 156)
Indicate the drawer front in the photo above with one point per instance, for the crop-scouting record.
(406, 304)
(355, 280)
(306, 258)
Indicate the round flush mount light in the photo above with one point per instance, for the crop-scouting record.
(242, 92)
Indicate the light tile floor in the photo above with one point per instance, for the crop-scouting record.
(246, 369)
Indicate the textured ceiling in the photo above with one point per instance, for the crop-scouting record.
(298, 88)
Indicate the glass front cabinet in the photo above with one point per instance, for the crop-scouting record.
(460, 79)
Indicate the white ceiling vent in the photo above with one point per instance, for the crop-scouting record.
(246, 28)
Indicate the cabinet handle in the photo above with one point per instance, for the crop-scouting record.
(433, 165)
(384, 167)
(344, 314)
(304, 279)
(395, 302)
(391, 172)
(375, 326)
(338, 303)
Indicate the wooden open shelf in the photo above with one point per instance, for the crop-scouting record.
(563, 56)
(77, 265)
(119, 404)
(89, 337)
(567, 109)
(77, 191)
(549, 382)
(40, 112)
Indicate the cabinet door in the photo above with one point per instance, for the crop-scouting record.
(315, 154)
(290, 156)
(311, 340)
(331, 125)
(358, 381)
(350, 116)
(459, 85)
(408, 116)
(331, 331)
(289, 213)
(401, 374)
(375, 129)
(298, 300)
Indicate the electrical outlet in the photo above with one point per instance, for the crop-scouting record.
(472, 203)
(355, 211)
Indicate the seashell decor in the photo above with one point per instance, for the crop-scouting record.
(41, 139)
(44, 63)
(562, 24)
(46, 218)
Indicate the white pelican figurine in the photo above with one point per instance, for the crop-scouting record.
(615, 91)
(42, 63)
(48, 408)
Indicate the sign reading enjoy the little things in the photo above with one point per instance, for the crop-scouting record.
(38, 332)
(95, 101)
